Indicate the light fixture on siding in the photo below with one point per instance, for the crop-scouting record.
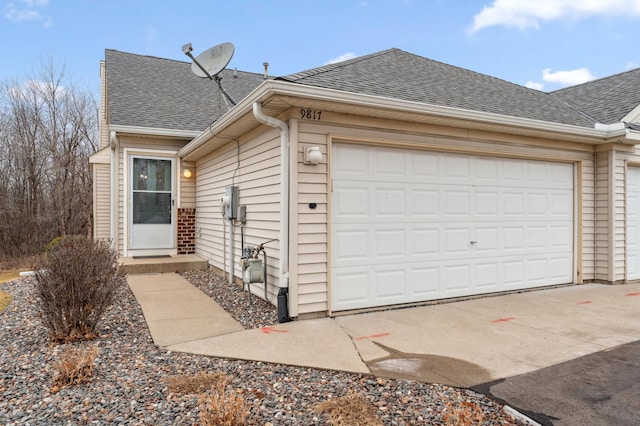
(187, 173)
(312, 155)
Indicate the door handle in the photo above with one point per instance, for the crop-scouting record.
(473, 242)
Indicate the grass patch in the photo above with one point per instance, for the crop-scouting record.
(6, 276)
(5, 299)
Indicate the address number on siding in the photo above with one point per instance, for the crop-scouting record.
(310, 114)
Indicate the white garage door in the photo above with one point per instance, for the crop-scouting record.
(411, 226)
(633, 223)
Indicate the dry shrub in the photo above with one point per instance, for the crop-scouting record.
(75, 283)
(350, 410)
(74, 367)
(200, 383)
(467, 413)
(222, 407)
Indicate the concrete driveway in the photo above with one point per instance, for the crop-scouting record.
(499, 345)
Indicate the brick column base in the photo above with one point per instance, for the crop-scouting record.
(186, 231)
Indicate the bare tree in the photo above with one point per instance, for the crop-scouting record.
(48, 130)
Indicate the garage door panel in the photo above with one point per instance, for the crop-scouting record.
(352, 289)
(434, 225)
(351, 201)
(390, 285)
(426, 242)
(389, 163)
(458, 203)
(390, 243)
(390, 202)
(424, 203)
(424, 282)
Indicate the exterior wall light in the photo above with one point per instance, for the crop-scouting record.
(187, 173)
(312, 155)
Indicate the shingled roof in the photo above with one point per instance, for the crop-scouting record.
(607, 100)
(147, 91)
(397, 74)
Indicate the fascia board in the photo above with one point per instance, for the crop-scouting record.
(271, 88)
(632, 116)
(102, 156)
(154, 131)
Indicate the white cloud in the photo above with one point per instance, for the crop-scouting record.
(28, 12)
(522, 14)
(631, 65)
(567, 78)
(535, 85)
(341, 58)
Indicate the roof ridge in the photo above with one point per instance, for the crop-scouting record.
(312, 72)
(616, 75)
(175, 60)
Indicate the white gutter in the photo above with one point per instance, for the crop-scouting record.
(113, 142)
(154, 131)
(273, 88)
(284, 189)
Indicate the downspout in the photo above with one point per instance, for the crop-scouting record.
(112, 189)
(283, 264)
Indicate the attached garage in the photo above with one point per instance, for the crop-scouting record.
(411, 225)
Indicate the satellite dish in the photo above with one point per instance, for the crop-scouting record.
(213, 60)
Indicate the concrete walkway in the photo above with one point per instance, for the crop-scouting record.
(462, 344)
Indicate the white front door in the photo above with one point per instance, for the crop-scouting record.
(151, 206)
(409, 226)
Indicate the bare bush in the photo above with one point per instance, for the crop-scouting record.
(351, 410)
(466, 413)
(76, 282)
(74, 367)
(222, 407)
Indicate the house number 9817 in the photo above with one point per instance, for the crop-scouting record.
(310, 114)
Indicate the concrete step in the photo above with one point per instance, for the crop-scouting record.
(150, 265)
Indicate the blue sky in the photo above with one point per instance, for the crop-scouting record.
(545, 44)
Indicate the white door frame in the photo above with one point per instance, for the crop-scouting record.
(128, 154)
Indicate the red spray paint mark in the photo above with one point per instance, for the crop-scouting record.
(269, 330)
(503, 319)
(633, 294)
(373, 336)
(586, 302)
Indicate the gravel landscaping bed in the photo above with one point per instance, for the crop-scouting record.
(129, 385)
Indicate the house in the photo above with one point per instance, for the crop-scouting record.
(387, 179)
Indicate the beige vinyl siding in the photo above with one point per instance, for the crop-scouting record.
(257, 175)
(188, 186)
(101, 202)
(602, 198)
(588, 220)
(619, 214)
(312, 248)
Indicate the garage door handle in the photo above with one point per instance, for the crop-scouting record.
(474, 242)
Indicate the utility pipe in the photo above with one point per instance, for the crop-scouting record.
(283, 263)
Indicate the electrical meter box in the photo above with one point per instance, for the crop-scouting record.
(230, 202)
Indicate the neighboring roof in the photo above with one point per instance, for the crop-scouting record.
(607, 100)
(397, 74)
(146, 91)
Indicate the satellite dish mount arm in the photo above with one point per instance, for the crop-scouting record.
(187, 51)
